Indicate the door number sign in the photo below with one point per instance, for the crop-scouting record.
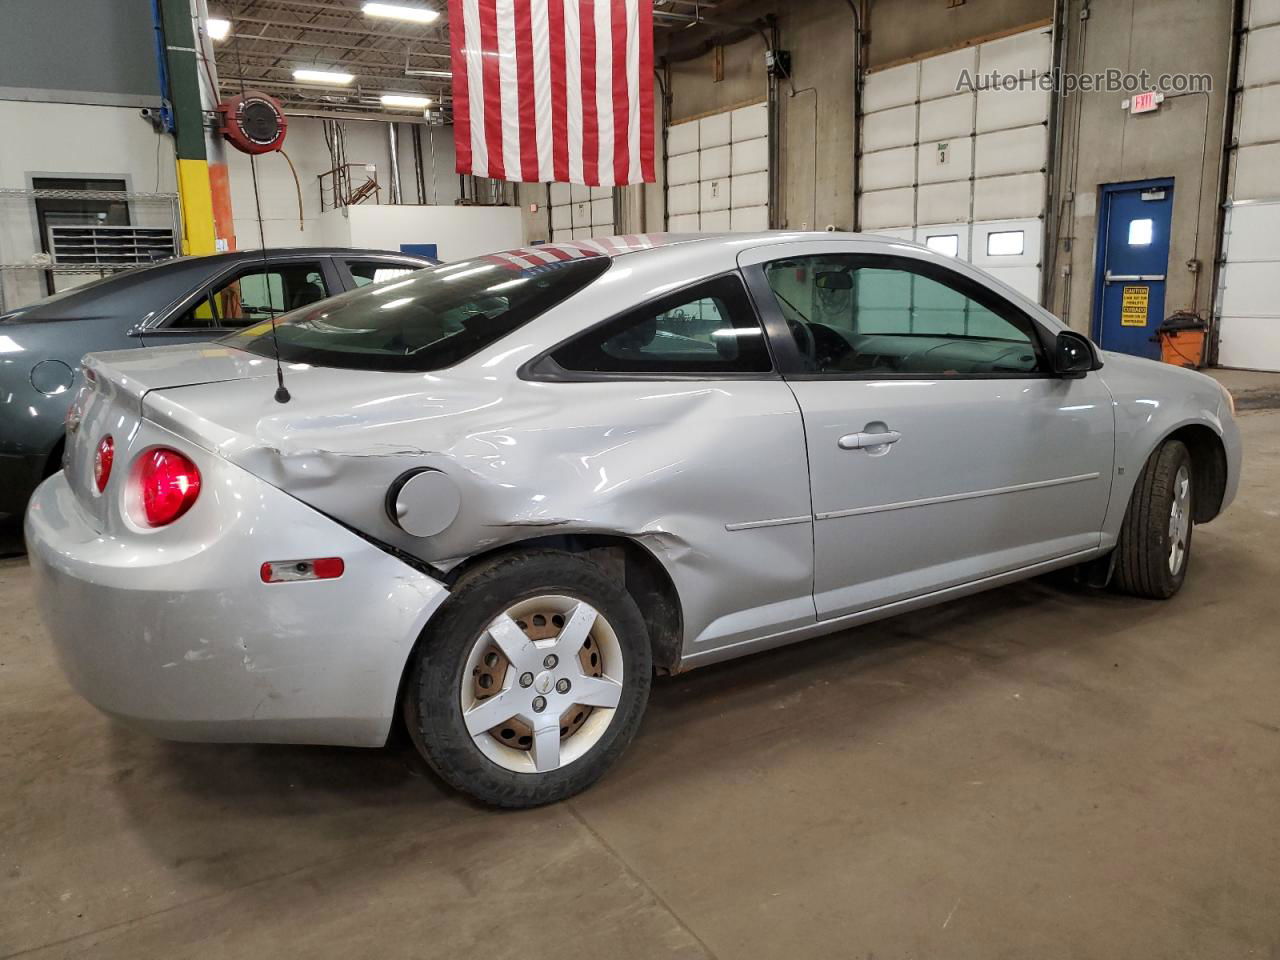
(1133, 306)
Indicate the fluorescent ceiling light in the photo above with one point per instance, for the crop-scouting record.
(323, 76)
(396, 11)
(217, 29)
(429, 73)
(405, 102)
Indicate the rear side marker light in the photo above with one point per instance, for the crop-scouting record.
(170, 485)
(103, 457)
(290, 571)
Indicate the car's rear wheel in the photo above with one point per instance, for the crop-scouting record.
(1155, 540)
(531, 680)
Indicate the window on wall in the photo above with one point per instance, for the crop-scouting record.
(710, 328)
(946, 243)
(1006, 243)
(363, 274)
(853, 314)
(1140, 232)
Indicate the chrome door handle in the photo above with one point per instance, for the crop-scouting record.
(861, 441)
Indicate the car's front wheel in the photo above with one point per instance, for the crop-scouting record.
(1155, 540)
(531, 680)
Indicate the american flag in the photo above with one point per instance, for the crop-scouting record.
(553, 90)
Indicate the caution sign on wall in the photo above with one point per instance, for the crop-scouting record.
(1133, 306)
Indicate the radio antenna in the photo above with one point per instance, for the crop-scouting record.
(282, 394)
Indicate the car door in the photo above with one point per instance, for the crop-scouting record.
(250, 290)
(941, 449)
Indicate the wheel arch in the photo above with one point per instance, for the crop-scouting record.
(1208, 465)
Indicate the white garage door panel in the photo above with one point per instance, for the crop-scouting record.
(713, 131)
(888, 208)
(583, 233)
(1026, 280)
(938, 75)
(901, 233)
(1026, 51)
(1000, 109)
(602, 193)
(559, 194)
(682, 138)
(750, 123)
(945, 161)
(715, 222)
(1251, 343)
(946, 118)
(1262, 57)
(1010, 151)
(958, 231)
(581, 214)
(1249, 290)
(894, 87)
(561, 218)
(714, 163)
(1009, 198)
(579, 193)
(714, 194)
(943, 202)
(682, 169)
(750, 190)
(889, 128)
(750, 156)
(996, 149)
(1262, 12)
(749, 218)
(721, 181)
(1257, 174)
(888, 168)
(1253, 233)
(602, 212)
(1032, 237)
(1260, 118)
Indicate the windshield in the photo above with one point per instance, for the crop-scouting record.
(428, 320)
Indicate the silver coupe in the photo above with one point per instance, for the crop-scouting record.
(496, 496)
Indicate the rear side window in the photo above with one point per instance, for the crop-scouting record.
(426, 320)
(710, 328)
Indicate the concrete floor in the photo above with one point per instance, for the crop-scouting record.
(1032, 773)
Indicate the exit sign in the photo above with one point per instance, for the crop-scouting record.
(1145, 102)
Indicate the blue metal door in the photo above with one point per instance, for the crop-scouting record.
(1133, 260)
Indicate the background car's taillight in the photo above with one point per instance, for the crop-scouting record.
(170, 484)
(103, 457)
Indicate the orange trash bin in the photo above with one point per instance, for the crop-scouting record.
(1182, 340)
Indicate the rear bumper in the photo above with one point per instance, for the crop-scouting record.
(189, 644)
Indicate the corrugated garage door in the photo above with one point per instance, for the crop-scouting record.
(718, 172)
(579, 212)
(1248, 307)
(962, 172)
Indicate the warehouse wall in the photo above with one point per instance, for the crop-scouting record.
(366, 143)
(80, 52)
(1183, 140)
(49, 139)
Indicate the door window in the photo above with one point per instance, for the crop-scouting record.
(854, 314)
(255, 293)
(710, 328)
(375, 271)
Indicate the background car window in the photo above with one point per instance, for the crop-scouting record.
(849, 315)
(256, 294)
(711, 328)
(364, 274)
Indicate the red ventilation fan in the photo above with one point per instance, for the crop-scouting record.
(253, 122)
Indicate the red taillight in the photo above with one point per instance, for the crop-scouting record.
(170, 484)
(289, 571)
(102, 460)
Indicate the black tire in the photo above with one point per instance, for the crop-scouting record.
(1143, 552)
(432, 706)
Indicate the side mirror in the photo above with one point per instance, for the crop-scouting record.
(1073, 355)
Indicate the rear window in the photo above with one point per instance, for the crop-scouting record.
(430, 319)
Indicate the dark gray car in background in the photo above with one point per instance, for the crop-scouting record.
(178, 301)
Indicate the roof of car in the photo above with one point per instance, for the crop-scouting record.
(617, 246)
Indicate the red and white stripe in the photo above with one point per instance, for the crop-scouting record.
(554, 90)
